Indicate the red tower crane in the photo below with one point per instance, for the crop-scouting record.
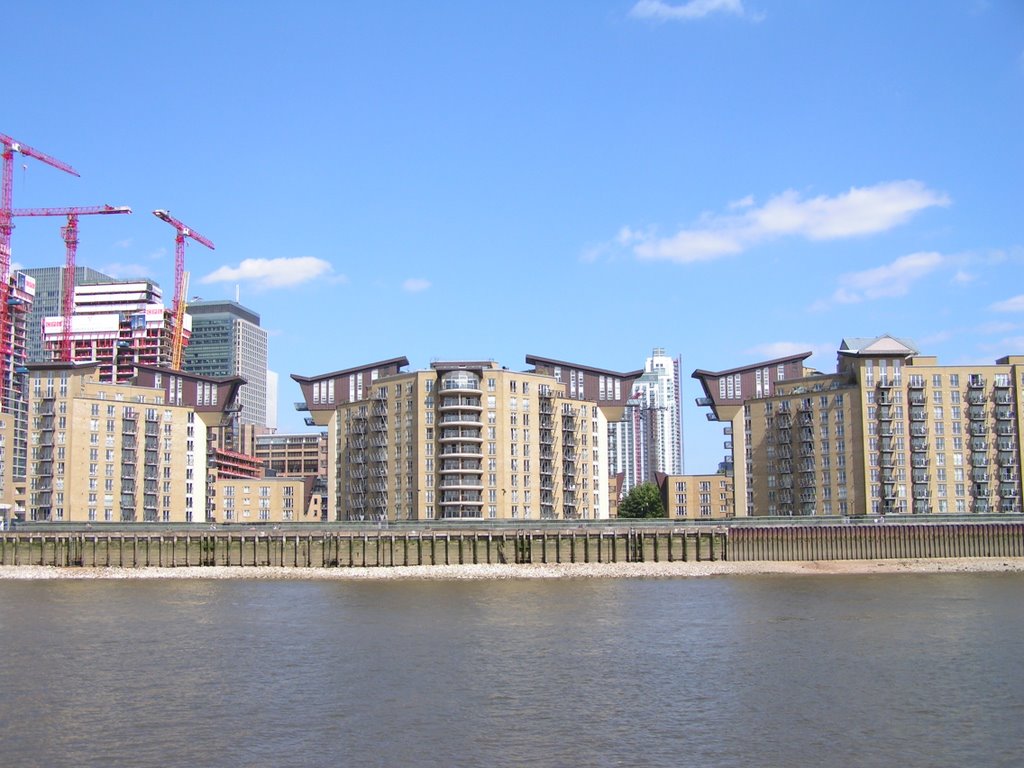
(70, 234)
(179, 279)
(10, 146)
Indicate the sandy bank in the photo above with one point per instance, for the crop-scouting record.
(579, 570)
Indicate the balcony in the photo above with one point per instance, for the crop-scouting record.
(704, 402)
(460, 418)
(459, 482)
(922, 507)
(919, 445)
(458, 435)
(460, 403)
(918, 414)
(462, 449)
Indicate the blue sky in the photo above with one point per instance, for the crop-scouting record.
(584, 179)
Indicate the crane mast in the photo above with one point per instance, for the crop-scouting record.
(10, 146)
(180, 280)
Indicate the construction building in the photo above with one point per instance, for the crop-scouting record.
(648, 439)
(227, 340)
(49, 295)
(890, 432)
(119, 326)
(110, 452)
(465, 440)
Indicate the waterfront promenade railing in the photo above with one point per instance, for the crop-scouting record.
(399, 546)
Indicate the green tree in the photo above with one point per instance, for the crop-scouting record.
(643, 501)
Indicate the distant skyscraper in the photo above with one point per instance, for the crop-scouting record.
(227, 341)
(48, 303)
(649, 437)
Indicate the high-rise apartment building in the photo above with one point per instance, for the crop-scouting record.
(649, 439)
(14, 402)
(891, 431)
(109, 452)
(227, 340)
(463, 440)
(119, 326)
(49, 303)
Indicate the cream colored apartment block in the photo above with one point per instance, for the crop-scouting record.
(891, 432)
(464, 440)
(12, 492)
(111, 452)
(260, 500)
(697, 497)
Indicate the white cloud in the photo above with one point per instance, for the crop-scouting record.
(775, 349)
(689, 246)
(857, 212)
(126, 243)
(1012, 345)
(963, 277)
(1016, 304)
(887, 281)
(693, 9)
(273, 273)
(415, 285)
(998, 326)
(891, 279)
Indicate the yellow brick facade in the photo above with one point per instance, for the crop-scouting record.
(101, 452)
(465, 441)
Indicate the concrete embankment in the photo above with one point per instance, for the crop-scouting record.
(384, 549)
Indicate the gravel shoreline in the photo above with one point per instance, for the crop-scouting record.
(551, 571)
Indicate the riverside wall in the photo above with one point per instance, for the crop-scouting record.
(384, 548)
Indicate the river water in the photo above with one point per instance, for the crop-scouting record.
(888, 670)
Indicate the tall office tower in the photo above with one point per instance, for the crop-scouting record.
(118, 325)
(462, 440)
(48, 303)
(227, 340)
(648, 440)
(891, 431)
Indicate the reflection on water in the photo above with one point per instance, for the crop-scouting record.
(772, 671)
